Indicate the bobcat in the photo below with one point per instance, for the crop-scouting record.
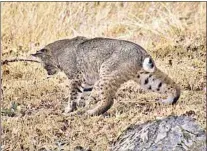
(100, 66)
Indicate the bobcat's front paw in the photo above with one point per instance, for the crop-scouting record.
(90, 112)
(68, 109)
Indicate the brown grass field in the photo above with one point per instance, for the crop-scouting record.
(173, 33)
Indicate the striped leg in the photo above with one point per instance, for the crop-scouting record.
(74, 92)
(86, 91)
(77, 95)
(104, 93)
(161, 83)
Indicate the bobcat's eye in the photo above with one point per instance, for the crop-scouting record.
(51, 70)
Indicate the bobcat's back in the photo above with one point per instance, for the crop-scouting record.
(92, 53)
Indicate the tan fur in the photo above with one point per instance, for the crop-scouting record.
(104, 65)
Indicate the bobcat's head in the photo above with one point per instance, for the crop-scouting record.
(48, 61)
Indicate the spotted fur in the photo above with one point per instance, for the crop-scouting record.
(98, 67)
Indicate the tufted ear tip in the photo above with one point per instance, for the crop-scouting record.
(34, 55)
(39, 52)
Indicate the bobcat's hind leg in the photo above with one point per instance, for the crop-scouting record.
(161, 83)
(104, 92)
(94, 96)
(105, 99)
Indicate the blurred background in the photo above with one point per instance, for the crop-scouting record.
(28, 26)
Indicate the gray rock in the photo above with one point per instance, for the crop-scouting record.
(170, 134)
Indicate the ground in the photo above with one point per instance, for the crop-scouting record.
(173, 33)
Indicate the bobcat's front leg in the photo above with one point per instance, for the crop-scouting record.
(74, 93)
(78, 94)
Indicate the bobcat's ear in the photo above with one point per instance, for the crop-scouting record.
(43, 50)
(40, 52)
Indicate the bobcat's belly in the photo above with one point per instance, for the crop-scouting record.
(90, 77)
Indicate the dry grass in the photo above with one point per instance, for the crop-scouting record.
(32, 102)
